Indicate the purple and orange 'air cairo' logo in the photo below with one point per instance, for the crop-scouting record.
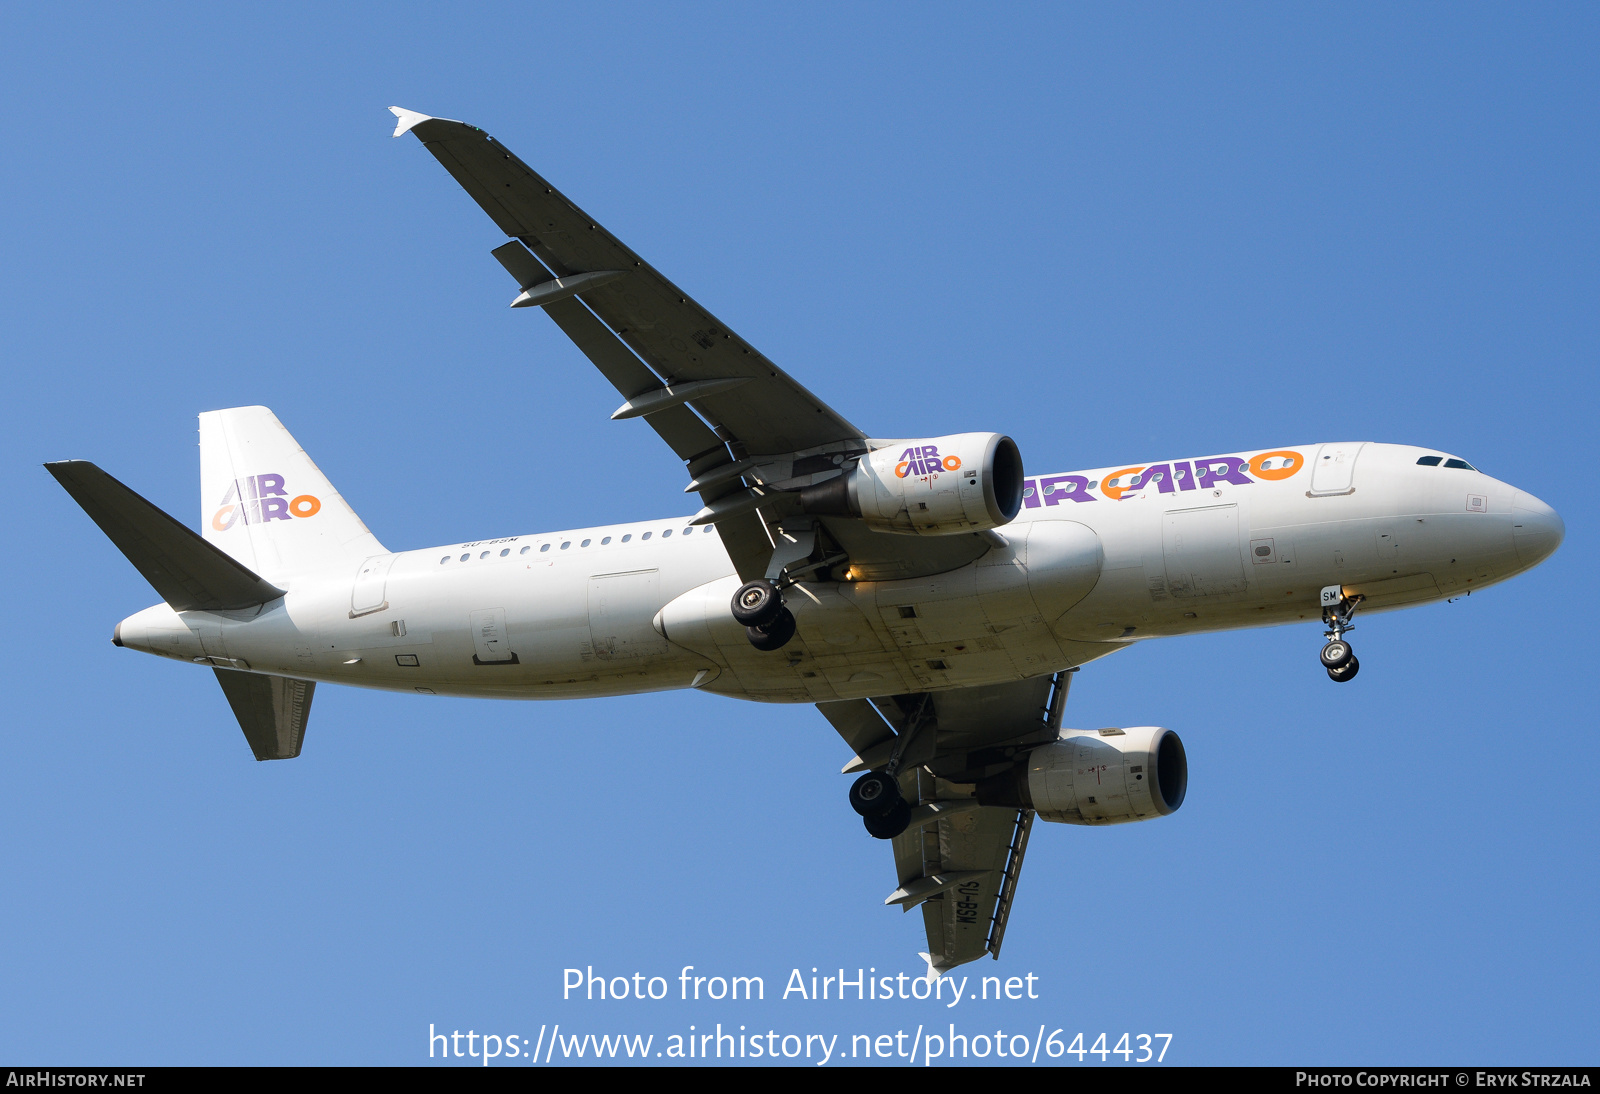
(261, 498)
(925, 460)
(1167, 478)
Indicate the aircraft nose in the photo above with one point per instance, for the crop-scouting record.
(1536, 529)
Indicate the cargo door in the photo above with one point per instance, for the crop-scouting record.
(621, 608)
(1201, 551)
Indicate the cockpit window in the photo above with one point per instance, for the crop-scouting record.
(1429, 461)
(1460, 465)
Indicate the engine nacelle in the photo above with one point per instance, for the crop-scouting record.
(1104, 776)
(936, 486)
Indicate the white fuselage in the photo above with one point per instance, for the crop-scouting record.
(1085, 569)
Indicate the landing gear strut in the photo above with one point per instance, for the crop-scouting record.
(1337, 656)
(767, 623)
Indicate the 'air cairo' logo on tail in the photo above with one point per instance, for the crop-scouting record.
(924, 460)
(261, 498)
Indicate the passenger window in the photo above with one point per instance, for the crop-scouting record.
(688, 531)
(645, 536)
(1460, 465)
(1429, 461)
(1027, 492)
(605, 541)
(566, 544)
(543, 547)
(525, 549)
(667, 533)
(443, 560)
(484, 555)
(627, 537)
(505, 552)
(466, 556)
(585, 543)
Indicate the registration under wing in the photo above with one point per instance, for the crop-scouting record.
(932, 595)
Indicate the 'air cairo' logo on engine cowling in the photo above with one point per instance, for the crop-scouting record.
(925, 460)
(258, 499)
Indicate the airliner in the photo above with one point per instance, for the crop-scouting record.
(931, 595)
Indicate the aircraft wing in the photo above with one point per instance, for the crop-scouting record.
(758, 403)
(721, 405)
(957, 861)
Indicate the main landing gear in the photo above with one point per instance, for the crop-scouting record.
(1337, 656)
(876, 796)
(767, 623)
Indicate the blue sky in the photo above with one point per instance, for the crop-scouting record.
(1117, 234)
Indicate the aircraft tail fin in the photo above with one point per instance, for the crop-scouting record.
(265, 503)
(185, 570)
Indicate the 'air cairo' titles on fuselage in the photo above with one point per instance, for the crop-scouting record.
(1168, 478)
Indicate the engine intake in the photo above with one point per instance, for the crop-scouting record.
(1106, 776)
(937, 486)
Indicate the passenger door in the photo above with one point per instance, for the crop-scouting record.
(1333, 471)
(368, 594)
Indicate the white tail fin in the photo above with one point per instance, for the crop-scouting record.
(265, 503)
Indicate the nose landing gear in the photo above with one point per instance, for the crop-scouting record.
(1337, 611)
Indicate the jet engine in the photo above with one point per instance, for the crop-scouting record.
(937, 486)
(1089, 776)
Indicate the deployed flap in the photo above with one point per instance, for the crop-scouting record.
(858, 722)
(691, 439)
(959, 860)
(981, 851)
(979, 730)
(188, 573)
(265, 503)
(272, 711)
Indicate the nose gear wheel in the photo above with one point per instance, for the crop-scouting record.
(1346, 672)
(1337, 656)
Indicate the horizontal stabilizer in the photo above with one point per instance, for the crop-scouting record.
(272, 711)
(189, 573)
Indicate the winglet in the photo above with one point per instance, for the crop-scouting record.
(407, 119)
